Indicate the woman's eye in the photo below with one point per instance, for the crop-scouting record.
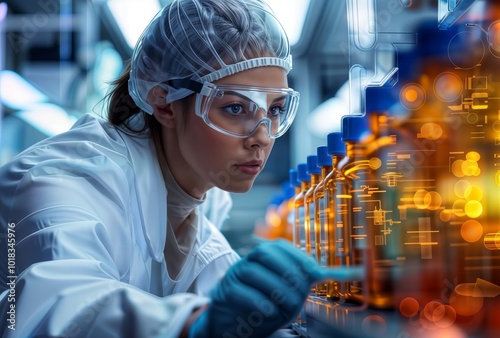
(276, 111)
(234, 109)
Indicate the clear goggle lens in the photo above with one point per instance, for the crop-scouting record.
(239, 110)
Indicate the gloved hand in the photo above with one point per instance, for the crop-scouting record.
(261, 293)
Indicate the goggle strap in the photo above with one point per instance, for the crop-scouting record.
(192, 85)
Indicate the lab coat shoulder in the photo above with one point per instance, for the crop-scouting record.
(85, 232)
(74, 180)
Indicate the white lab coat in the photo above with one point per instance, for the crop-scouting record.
(89, 212)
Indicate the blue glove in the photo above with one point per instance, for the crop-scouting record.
(259, 294)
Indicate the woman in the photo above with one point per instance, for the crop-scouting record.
(107, 233)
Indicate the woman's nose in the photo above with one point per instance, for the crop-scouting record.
(261, 137)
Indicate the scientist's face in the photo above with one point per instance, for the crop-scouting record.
(209, 158)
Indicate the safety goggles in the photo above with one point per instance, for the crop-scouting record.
(238, 110)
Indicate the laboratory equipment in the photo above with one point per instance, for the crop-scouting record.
(321, 214)
(418, 192)
(314, 173)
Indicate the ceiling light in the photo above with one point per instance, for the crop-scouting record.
(133, 16)
(292, 15)
(17, 93)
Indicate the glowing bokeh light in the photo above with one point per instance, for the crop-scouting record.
(456, 168)
(473, 209)
(459, 207)
(473, 192)
(449, 315)
(409, 307)
(471, 231)
(461, 187)
(473, 156)
(436, 200)
(445, 215)
(466, 49)
(375, 163)
(421, 199)
(375, 326)
(497, 178)
(434, 311)
(448, 87)
(470, 168)
(431, 131)
(494, 36)
(412, 96)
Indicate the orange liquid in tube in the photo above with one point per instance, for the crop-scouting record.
(315, 173)
(355, 170)
(290, 217)
(321, 216)
(299, 234)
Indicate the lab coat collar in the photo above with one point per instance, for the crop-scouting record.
(150, 191)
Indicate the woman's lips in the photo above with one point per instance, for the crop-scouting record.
(250, 168)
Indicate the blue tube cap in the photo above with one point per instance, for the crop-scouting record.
(302, 175)
(355, 128)
(312, 165)
(323, 158)
(335, 145)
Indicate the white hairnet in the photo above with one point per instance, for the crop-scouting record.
(205, 40)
